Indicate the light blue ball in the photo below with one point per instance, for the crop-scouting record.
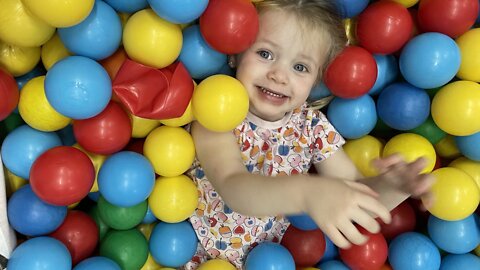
(430, 60)
(96, 37)
(457, 237)
(23, 146)
(199, 58)
(460, 261)
(353, 118)
(149, 217)
(331, 251)
(413, 251)
(126, 179)
(469, 146)
(78, 87)
(97, 263)
(269, 255)
(127, 6)
(179, 11)
(302, 222)
(351, 8)
(333, 265)
(387, 72)
(318, 92)
(40, 253)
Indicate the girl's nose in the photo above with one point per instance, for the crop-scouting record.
(278, 75)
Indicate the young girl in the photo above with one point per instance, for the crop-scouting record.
(251, 177)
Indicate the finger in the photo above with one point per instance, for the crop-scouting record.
(365, 220)
(376, 208)
(362, 188)
(423, 185)
(352, 233)
(385, 162)
(336, 237)
(428, 200)
(418, 165)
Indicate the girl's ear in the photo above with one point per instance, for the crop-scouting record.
(232, 63)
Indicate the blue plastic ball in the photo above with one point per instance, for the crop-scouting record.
(31, 216)
(460, 261)
(199, 58)
(179, 11)
(333, 265)
(23, 146)
(40, 253)
(331, 251)
(403, 106)
(302, 222)
(96, 37)
(430, 60)
(127, 6)
(39, 70)
(413, 251)
(66, 135)
(351, 8)
(269, 255)
(353, 118)
(149, 217)
(126, 179)
(78, 87)
(387, 72)
(318, 92)
(469, 146)
(97, 263)
(173, 244)
(457, 237)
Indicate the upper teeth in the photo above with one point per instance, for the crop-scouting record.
(270, 93)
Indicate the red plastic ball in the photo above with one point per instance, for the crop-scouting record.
(230, 26)
(450, 17)
(384, 27)
(79, 233)
(106, 133)
(306, 247)
(403, 220)
(8, 94)
(371, 255)
(62, 175)
(352, 73)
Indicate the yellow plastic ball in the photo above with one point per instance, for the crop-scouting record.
(350, 25)
(220, 103)
(35, 109)
(142, 126)
(146, 229)
(470, 63)
(362, 152)
(411, 147)
(19, 27)
(151, 40)
(456, 107)
(216, 264)
(53, 51)
(97, 161)
(170, 150)
(151, 264)
(18, 60)
(447, 148)
(477, 250)
(186, 118)
(469, 166)
(407, 3)
(13, 182)
(60, 13)
(173, 199)
(455, 194)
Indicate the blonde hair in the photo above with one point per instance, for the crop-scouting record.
(318, 15)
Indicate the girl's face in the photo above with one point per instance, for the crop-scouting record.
(282, 65)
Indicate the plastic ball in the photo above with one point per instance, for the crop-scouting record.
(151, 40)
(413, 251)
(220, 103)
(333, 265)
(121, 218)
(60, 13)
(216, 264)
(173, 244)
(269, 255)
(9, 94)
(403, 106)
(331, 251)
(411, 147)
(430, 60)
(23, 145)
(362, 152)
(455, 108)
(371, 255)
(78, 87)
(199, 58)
(126, 179)
(352, 73)
(446, 148)
(129, 248)
(318, 92)
(97, 263)
(351, 8)
(387, 72)
(128, 6)
(470, 64)
(142, 126)
(97, 161)
(179, 11)
(53, 51)
(353, 118)
(230, 27)
(469, 146)
(471, 167)
(18, 60)
(306, 247)
(457, 237)
(79, 233)
(302, 222)
(173, 199)
(96, 37)
(29, 215)
(430, 131)
(403, 220)
(114, 62)
(38, 70)
(151, 264)
(170, 150)
(456, 194)
(384, 27)
(149, 217)
(101, 225)
(35, 109)
(20, 28)
(450, 17)
(460, 261)
(186, 118)
(40, 253)
(407, 3)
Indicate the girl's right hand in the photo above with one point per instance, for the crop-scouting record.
(337, 206)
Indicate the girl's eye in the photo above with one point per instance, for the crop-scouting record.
(265, 54)
(300, 67)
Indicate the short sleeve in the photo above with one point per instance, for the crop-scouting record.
(325, 139)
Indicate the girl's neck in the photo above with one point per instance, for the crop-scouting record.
(268, 124)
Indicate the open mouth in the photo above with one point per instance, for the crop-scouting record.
(271, 93)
